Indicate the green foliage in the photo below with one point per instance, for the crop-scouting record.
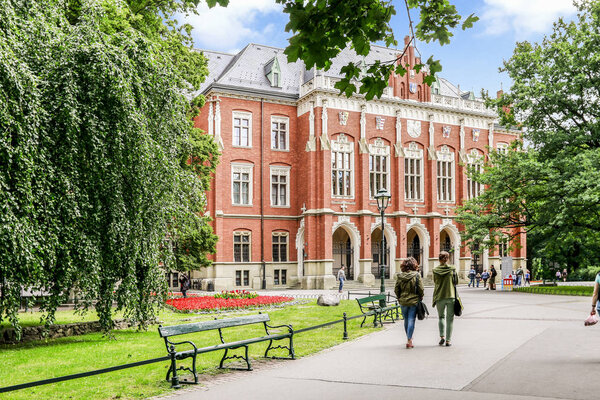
(94, 130)
(551, 187)
(558, 290)
(322, 29)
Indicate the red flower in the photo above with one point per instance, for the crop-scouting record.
(217, 303)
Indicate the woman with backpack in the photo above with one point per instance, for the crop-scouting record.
(595, 300)
(409, 291)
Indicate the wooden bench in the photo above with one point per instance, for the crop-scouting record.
(371, 306)
(168, 332)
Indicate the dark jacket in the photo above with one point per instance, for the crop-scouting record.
(444, 279)
(405, 288)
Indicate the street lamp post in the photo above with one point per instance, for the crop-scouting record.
(383, 199)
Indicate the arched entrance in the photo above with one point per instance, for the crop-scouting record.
(414, 247)
(447, 245)
(343, 253)
(378, 255)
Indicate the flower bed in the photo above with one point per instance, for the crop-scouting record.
(223, 302)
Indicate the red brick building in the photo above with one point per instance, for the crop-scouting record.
(292, 198)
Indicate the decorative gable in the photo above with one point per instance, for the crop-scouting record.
(273, 72)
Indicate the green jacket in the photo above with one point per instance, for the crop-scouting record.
(444, 279)
(405, 288)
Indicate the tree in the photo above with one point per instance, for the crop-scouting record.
(323, 28)
(100, 162)
(550, 187)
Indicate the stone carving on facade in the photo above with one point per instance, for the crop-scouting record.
(491, 134)
(379, 148)
(398, 144)
(344, 221)
(444, 154)
(413, 128)
(311, 144)
(362, 143)
(388, 228)
(218, 137)
(461, 151)
(343, 116)
(324, 139)
(211, 119)
(476, 133)
(379, 122)
(413, 151)
(446, 131)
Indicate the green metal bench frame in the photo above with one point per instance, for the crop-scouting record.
(166, 332)
(371, 306)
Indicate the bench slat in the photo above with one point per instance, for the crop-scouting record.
(371, 298)
(174, 330)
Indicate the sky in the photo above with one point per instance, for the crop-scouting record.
(471, 60)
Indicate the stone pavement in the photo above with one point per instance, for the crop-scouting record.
(505, 346)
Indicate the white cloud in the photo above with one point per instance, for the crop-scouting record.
(524, 18)
(234, 26)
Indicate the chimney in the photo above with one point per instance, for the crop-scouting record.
(499, 93)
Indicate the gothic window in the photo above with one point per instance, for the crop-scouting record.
(241, 184)
(280, 186)
(474, 166)
(342, 167)
(279, 133)
(241, 246)
(242, 129)
(280, 246)
(445, 174)
(413, 173)
(378, 167)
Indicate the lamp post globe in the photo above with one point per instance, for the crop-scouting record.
(383, 200)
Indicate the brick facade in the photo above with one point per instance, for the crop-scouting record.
(324, 230)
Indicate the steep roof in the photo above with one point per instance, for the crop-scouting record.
(246, 70)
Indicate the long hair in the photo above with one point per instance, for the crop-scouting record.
(410, 264)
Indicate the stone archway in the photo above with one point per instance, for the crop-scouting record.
(449, 233)
(391, 240)
(344, 253)
(417, 230)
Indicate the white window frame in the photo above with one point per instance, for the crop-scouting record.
(287, 246)
(241, 234)
(281, 171)
(502, 148)
(241, 115)
(280, 119)
(474, 160)
(345, 147)
(415, 153)
(379, 149)
(445, 157)
(242, 168)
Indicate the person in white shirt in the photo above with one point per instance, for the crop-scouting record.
(341, 276)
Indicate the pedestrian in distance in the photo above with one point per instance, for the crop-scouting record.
(184, 284)
(472, 277)
(558, 275)
(409, 291)
(485, 276)
(519, 276)
(444, 293)
(514, 278)
(478, 278)
(527, 278)
(341, 276)
(493, 275)
(564, 275)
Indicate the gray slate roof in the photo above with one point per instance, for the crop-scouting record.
(246, 69)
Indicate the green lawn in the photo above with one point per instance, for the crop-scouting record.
(561, 290)
(46, 359)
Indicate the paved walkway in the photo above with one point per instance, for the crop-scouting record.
(506, 346)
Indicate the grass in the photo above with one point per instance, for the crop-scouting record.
(559, 290)
(46, 359)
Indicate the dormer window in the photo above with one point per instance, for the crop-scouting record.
(273, 72)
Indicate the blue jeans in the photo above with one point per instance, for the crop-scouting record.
(409, 313)
(518, 280)
(472, 281)
(341, 284)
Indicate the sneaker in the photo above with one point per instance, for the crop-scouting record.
(442, 341)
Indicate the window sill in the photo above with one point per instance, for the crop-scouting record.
(242, 205)
(281, 150)
(241, 147)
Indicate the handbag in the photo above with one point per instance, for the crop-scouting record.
(458, 306)
(422, 310)
(591, 320)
